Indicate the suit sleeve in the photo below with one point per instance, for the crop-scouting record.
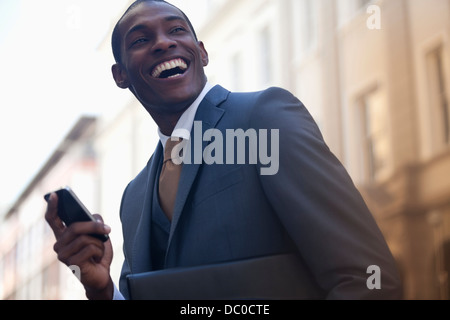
(320, 207)
(123, 284)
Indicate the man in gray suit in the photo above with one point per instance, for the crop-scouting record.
(257, 179)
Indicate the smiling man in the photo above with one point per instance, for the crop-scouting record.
(199, 214)
(159, 60)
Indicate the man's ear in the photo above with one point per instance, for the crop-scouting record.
(204, 54)
(120, 76)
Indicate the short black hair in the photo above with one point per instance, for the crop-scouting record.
(116, 37)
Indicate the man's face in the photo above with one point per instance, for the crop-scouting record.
(162, 63)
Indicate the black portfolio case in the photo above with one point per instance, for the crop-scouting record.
(282, 277)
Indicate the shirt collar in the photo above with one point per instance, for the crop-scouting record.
(184, 125)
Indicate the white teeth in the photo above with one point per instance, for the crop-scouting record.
(167, 65)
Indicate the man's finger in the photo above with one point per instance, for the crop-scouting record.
(51, 216)
(78, 229)
(68, 251)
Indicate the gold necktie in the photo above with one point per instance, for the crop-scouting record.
(169, 179)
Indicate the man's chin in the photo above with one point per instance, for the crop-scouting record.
(172, 95)
(171, 103)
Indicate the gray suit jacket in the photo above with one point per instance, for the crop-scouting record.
(228, 212)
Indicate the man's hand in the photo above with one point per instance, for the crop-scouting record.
(75, 246)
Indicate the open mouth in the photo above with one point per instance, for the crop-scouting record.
(169, 69)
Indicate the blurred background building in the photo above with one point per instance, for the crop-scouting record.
(375, 75)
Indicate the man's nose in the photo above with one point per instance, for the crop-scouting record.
(163, 43)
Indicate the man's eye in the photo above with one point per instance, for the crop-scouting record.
(138, 41)
(177, 29)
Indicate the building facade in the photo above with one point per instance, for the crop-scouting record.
(29, 269)
(375, 76)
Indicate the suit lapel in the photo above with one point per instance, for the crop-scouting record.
(209, 114)
(141, 249)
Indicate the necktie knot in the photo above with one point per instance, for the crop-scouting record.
(168, 149)
(169, 178)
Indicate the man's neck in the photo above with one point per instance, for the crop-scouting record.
(167, 122)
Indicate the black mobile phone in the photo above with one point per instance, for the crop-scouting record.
(71, 209)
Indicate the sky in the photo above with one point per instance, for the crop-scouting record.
(51, 74)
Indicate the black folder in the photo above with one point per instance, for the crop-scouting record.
(281, 277)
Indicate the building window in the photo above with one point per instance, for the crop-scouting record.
(2, 279)
(304, 26)
(50, 279)
(308, 28)
(439, 95)
(265, 50)
(444, 275)
(374, 136)
(237, 71)
(363, 3)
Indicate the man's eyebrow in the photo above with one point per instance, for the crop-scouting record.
(143, 26)
(134, 29)
(174, 17)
